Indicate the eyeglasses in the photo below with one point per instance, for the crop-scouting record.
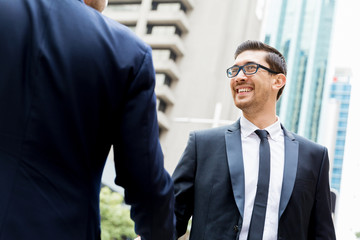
(248, 69)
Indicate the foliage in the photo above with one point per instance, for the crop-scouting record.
(115, 217)
(357, 235)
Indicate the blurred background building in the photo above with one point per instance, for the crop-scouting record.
(301, 30)
(333, 133)
(340, 90)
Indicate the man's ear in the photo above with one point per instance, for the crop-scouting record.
(279, 81)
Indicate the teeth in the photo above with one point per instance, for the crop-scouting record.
(243, 90)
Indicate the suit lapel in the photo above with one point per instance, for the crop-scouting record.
(235, 162)
(290, 168)
(236, 166)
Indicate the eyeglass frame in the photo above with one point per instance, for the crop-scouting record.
(242, 68)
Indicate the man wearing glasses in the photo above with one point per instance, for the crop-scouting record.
(254, 179)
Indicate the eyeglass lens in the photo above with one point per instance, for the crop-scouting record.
(248, 69)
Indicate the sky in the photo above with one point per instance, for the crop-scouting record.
(346, 53)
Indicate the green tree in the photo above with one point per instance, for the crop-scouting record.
(357, 235)
(115, 216)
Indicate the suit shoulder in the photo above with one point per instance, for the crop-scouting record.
(122, 33)
(122, 44)
(211, 132)
(308, 142)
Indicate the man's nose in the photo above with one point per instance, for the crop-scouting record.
(241, 76)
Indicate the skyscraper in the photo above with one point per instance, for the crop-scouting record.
(193, 44)
(301, 30)
(340, 90)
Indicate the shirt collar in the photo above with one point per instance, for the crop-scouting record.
(274, 130)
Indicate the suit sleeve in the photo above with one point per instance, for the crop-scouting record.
(139, 160)
(321, 222)
(184, 179)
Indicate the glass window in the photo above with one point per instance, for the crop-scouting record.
(341, 133)
(345, 106)
(339, 152)
(340, 142)
(346, 87)
(343, 115)
(336, 171)
(335, 182)
(337, 162)
(342, 124)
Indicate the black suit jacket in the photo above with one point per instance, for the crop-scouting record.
(209, 186)
(73, 83)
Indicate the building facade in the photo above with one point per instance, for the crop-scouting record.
(193, 44)
(301, 30)
(340, 91)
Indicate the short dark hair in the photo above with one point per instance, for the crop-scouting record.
(274, 58)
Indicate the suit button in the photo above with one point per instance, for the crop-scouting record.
(236, 228)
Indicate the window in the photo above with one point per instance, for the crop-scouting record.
(343, 115)
(174, 6)
(128, 7)
(341, 133)
(337, 171)
(162, 105)
(345, 97)
(346, 87)
(163, 30)
(132, 27)
(339, 152)
(163, 54)
(344, 106)
(163, 79)
(342, 124)
(340, 142)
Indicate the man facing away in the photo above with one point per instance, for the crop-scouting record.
(73, 83)
(254, 179)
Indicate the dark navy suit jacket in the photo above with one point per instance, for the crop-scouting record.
(209, 186)
(73, 83)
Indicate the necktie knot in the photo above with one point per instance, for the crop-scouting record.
(261, 133)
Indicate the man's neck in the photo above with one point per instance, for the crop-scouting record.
(261, 120)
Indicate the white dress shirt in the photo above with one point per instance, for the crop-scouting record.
(250, 146)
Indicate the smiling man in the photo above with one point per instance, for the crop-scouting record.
(253, 179)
